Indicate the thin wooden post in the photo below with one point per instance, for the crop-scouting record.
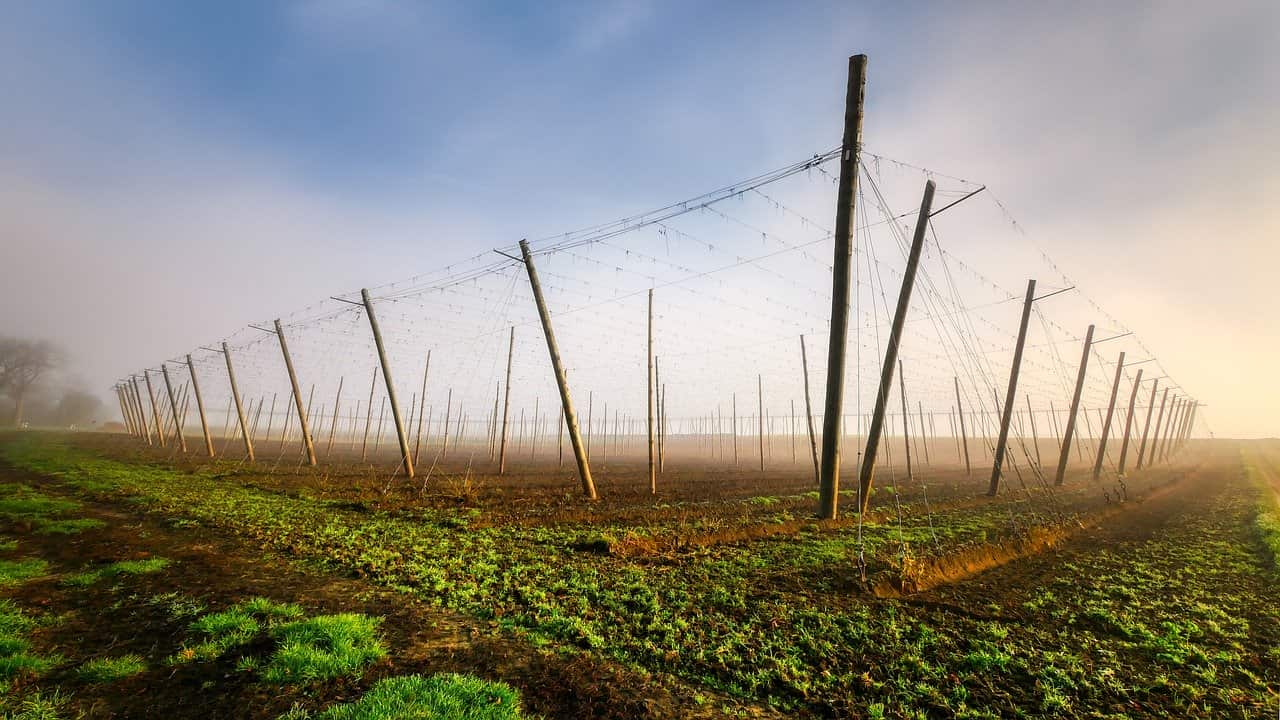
(417, 441)
(377, 435)
(735, 430)
(204, 423)
(1167, 435)
(1146, 427)
(924, 437)
(584, 466)
(506, 405)
(137, 404)
(793, 431)
(1075, 407)
(1128, 421)
(1035, 433)
(173, 405)
(829, 475)
(333, 424)
(155, 409)
(906, 418)
(368, 416)
(293, 380)
(964, 438)
(760, 397)
(1106, 423)
(653, 473)
(444, 436)
(808, 414)
(1011, 395)
(662, 426)
(867, 474)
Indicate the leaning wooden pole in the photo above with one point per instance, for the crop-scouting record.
(1011, 395)
(368, 417)
(155, 410)
(406, 458)
(867, 475)
(333, 423)
(653, 472)
(851, 152)
(562, 383)
(808, 414)
(297, 396)
(1106, 423)
(1065, 455)
(173, 405)
(422, 403)
(1146, 428)
(506, 405)
(204, 423)
(1167, 437)
(1035, 433)
(964, 438)
(1128, 421)
(906, 418)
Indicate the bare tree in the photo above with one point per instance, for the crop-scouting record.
(22, 364)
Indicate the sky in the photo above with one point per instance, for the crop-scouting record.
(170, 172)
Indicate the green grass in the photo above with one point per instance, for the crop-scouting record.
(116, 569)
(237, 625)
(20, 503)
(456, 697)
(1267, 520)
(324, 647)
(9, 545)
(15, 572)
(36, 706)
(17, 657)
(105, 670)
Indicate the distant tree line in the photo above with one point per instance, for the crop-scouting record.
(31, 392)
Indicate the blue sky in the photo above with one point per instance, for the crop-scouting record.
(279, 152)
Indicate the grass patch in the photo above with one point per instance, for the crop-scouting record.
(36, 706)
(20, 503)
(1267, 521)
(8, 545)
(440, 696)
(124, 567)
(16, 656)
(14, 572)
(324, 647)
(237, 625)
(104, 670)
(68, 526)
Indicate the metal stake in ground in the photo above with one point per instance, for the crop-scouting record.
(405, 456)
(562, 383)
(1012, 395)
(891, 354)
(829, 473)
(297, 396)
(1075, 407)
(195, 388)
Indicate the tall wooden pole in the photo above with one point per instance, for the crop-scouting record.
(124, 413)
(1167, 436)
(333, 424)
(735, 429)
(964, 438)
(1146, 427)
(1075, 407)
(1011, 395)
(793, 431)
(297, 397)
(173, 405)
(155, 410)
(653, 473)
(808, 414)
(906, 418)
(1155, 432)
(204, 423)
(506, 405)
(406, 458)
(1106, 423)
(444, 437)
(924, 437)
(368, 416)
(850, 157)
(890, 355)
(760, 398)
(1128, 421)
(1035, 433)
(562, 383)
(417, 440)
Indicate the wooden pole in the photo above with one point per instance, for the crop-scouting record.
(653, 474)
(155, 410)
(137, 404)
(1128, 421)
(760, 398)
(1106, 423)
(1155, 434)
(829, 475)
(506, 405)
(333, 424)
(735, 430)
(924, 437)
(808, 414)
(444, 436)
(293, 380)
(562, 383)
(204, 423)
(1075, 407)
(1035, 433)
(377, 434)
(793, 431)
(1167, 435)
(173, 405)
(906, 418)
(368, 416)
(1146, 427)
(1011, 395)
(867, 475)
(417, 441)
